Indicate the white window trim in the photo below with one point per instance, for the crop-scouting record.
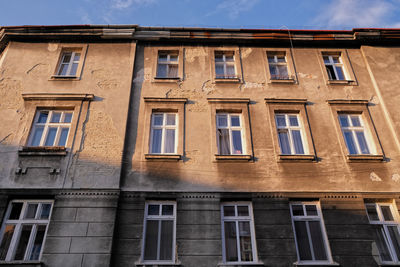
(164, 127)
(289, 129)
(225, 63)
(324, 235)
(236, 219)
(385, 225)
(230, 128)
(48, 124)
(70, 63)
(276, 63)
(18, 223)
(168, 62)
(334, 65)
(159, 217)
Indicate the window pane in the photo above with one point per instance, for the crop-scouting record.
(271, 59)
(298, 144)
(235, 121)
(237, 142)
(45, 212)
(67, 57)
(51, 135)
(230, 71)
(73, 69)
(335, 59)
(283, 73)
(230, 241)
(293, 121)
(229, 58)
(229, 210)
(6, 240)
(150, 248)
(168, 210)
(156, 141)
(273, 70)
(223, 142)
(280, 120)
(331, 73)
(297, 210)
(173, 70)
(317, 240)
(63, 69)
(348, 136)
(42, 117)
(284, 142)
(169, 142)
(173, 58)
(246, 253)
(362, 143)
(171, 119)
(355, 120)
(158, 119)
(218, 57)
(55, 118)
(387, 213)
(166, 241)
(162, 57)
(372, 213)
(219, 70)
(303, 244)
(77, 56)
(16, 208)
(243, 210)
(343, 121)
(63, 136)
(326, 59)
(67, 117)
(381, 243)
(31, 211)
(222, 121)
(153, 210)
(394, 235)
(23, 242)
(162, 70)
(339, 72)
(311, 210)
(281, 58)
(37, 136)
(38, 242)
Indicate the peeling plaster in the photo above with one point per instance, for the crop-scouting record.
(192, 54)
(374, 177)
(246, 52)
(307, 75)
(253, 85)
(396, 177)
(52, 47)
(374, 100)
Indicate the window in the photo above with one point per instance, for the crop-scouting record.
(354, 134)
(290, 134)
(159, 232)
(167, 65)
(225, 65)
(24, 228)
(50, 128)
(384, 218)
(334, 66)
(238, 237)
(163, 133)
(69, 63)
(311, 240)
(278, 66)
(229, 134)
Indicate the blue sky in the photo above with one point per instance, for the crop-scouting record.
(294, 14)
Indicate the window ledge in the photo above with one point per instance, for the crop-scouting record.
(158, 264)
(239, 264)
(316, 264)
(297, 158)
(21, 263)
(42, 151)
(289, 80)
(163, 157)
(366, 158)
(340, 81)
(167, 79)
(233, 157)
(63, 77)
(227, 80)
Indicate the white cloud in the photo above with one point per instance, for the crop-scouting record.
(357, 13)
(122, 4)
(234, 7)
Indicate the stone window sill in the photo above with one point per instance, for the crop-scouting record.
(341, 82)
(154, 264)
(365, 158)
(21, 263)
(232, 158)
(63, 78)
(290, 80)
(317, 264)
(167, 79)
(227, 80)
(163, 157)
(237, 264)
(296, 158)
(42, 151)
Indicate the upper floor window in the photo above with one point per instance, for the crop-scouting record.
(354, 134)
(229, 134)
(167, 64)
(225, 65)
(385, 219)
(278, 68)
(290, 134)
(163, 136)
(24, 229)
(310, 236)
(69, 63)
(238, 236)
(159, 232)
(50, 128)
(334, 66)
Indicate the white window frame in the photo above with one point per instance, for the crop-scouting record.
(230, 129)
(353, 130)
(224, 64)
(69, 64)
(334, 65)
(275, 63)
(18, 226)
(306, 218)
(288, 128)
(385, 224)
(168, 62)
(238, 219)
(159, 218)
(47, 124)
(163, 128)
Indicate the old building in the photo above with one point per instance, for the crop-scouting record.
(145, 146)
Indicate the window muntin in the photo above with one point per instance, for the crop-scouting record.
(238, 235)
(334, 67)
(278, 68)
(69, 63)
(310, 236)
(225, 65)
(159, 232)
(24, 229)
(290, 134)
(230, 134)
(384, 217)
(50, 128)
(354, 134)
(164, 133)
(167, 64)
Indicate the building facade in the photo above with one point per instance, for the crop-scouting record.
(145, 146)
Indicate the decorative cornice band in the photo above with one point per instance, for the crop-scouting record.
(285, 101)
(347, 102)
(59, 96)
(166, 100)
(229, 100)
